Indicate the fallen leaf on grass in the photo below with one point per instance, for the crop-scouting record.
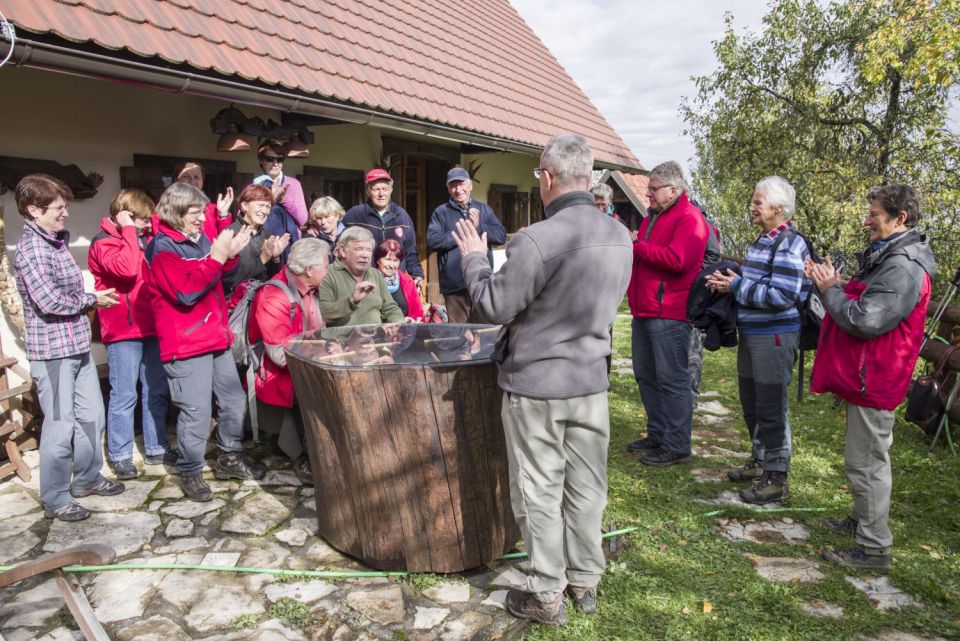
(687, 611)
(707, 607)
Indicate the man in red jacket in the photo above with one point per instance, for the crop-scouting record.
(281, 311)
(667, 256)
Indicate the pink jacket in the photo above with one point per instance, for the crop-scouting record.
(666, 260)
(409, 289)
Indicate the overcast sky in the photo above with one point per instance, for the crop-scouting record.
(635, 59)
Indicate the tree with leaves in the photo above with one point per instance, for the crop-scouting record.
(836, 98)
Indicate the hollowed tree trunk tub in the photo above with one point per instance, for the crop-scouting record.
(406, 443)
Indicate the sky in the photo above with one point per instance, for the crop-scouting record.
(634, 60)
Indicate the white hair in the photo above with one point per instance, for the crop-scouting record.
(354, 235)
(307, 252)
(779, 193)
(569, 159)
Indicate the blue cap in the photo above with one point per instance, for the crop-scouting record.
(457, 173)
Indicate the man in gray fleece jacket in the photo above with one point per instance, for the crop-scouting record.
(556, 296)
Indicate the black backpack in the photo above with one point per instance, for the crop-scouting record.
(245, 354)
(811, 308)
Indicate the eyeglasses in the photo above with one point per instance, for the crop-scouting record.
(60, 209)
(193, 211)
(272, 159)
(653, 190)
(540, 170)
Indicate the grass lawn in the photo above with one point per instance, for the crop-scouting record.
(679, 579)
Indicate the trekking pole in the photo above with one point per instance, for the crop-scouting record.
(942, 308)
(944, 425)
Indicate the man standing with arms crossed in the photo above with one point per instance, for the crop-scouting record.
(556, 296)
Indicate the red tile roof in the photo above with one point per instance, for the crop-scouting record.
(638, 185)
(407, 58)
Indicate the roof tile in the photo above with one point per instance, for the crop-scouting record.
(403, 57)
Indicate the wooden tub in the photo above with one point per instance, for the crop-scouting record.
(408, 450)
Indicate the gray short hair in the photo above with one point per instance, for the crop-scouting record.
(602, 190)
(355, 235)
(326, 205)
(670, 173)
(176, 200)
(779, 193)
(568, 158)
(308, 252)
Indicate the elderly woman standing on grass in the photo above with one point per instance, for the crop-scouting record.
(869, 342)
(191, 318)
(769, 322)
(58, 346)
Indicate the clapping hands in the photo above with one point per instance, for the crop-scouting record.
(227, 244)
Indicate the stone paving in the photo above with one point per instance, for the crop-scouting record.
(272, 524)
(265, 524)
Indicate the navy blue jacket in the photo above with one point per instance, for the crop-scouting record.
(439, 239)
(395, 224)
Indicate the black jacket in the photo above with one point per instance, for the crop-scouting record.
(714, 312)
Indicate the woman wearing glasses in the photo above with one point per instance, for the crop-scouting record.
(58, 336)
(216, 216)
(289, 212)
(191, 320)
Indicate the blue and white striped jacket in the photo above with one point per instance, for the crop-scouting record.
(772, 283)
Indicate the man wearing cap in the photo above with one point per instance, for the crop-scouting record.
(386, 219)
(460, 309)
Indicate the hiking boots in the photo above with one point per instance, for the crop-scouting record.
(124, 470)
(752, 470)
(525, 605)
(772, 486)
(661, 458)
(234, 465)
(103, 487)
(70, 512)
(584, 599)
(302, 469)
(196, 489)
(842, 526)
(858, 558)
(169, 457)
(645, 444)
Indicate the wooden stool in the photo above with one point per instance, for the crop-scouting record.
(16, 435)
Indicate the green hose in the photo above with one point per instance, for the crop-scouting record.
(313, 574)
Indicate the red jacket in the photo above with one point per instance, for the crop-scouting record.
(271, 322)
(188, 301)
(212, 223)
(116, 260)
(875, 372)
(409, 288)
(666, 262)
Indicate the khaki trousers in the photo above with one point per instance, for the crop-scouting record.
(460, 308)
(557, 452)
(867, 464)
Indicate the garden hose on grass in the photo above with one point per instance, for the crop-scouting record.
(311, 574)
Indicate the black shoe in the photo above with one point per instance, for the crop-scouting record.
(752, 470)
(104, 487)
(124, 470)
(70, 512)
(524, 605)
(771, 487)
(644, 444)
(234, 465)
(303, 471)
(842, 526)
(196, 489)
(169, 457)
(584, 599)
(858, 558)
(662, 458)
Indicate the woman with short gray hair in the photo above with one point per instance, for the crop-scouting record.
(768, 317)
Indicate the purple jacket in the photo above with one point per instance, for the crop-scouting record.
(54, 303)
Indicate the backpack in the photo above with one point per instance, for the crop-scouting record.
(925, 406)
(811, 309)
(241, 302)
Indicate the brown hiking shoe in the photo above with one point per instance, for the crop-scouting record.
(525, 605)
(752, 470)
(584, 599)
(771, 487)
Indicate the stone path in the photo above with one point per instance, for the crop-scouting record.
(266, 524)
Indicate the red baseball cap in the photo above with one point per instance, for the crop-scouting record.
(377, 174)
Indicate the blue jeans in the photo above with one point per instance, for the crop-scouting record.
(129, 362)
(661, 366)
(70, 441)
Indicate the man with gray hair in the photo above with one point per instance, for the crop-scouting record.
(284, 307)
(667, 256)
(551, 354)
(603, 199)
(354, 292)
